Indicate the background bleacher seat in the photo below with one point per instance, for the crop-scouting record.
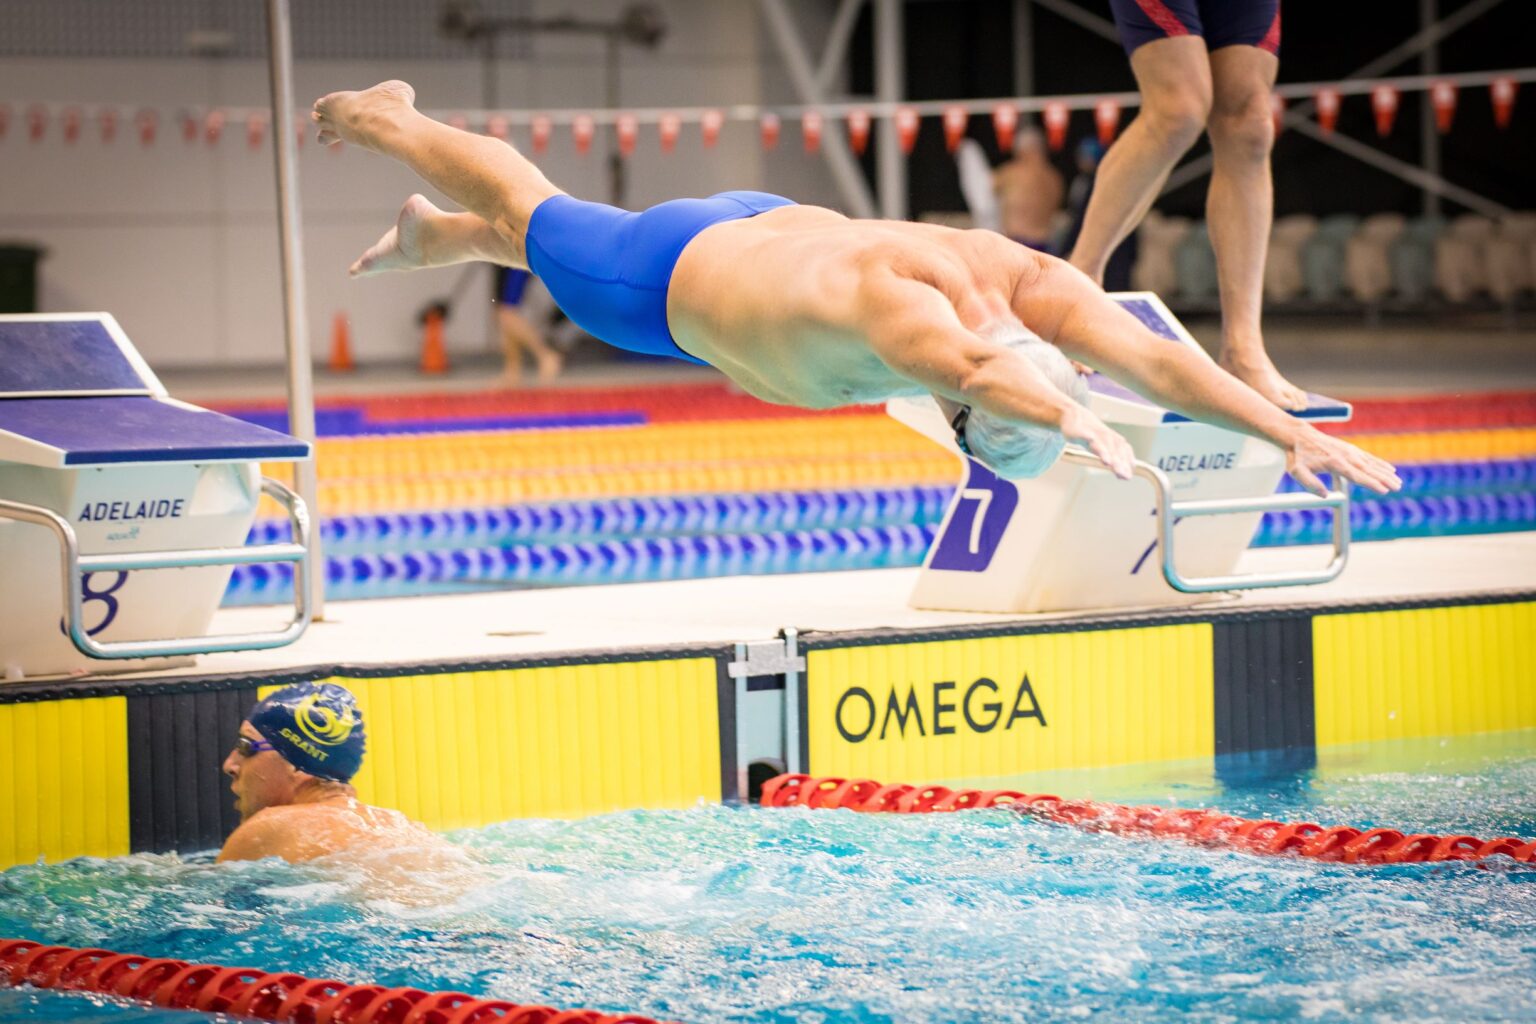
(1157, 240)
(1367, 268)
(1322, 258)
(1511, 271)
(1461, 258)
(1412, 258)
(1283, 279)
(1195, 261)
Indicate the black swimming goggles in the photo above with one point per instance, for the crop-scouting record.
(958, 426)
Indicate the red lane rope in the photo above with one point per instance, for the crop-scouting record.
(278, 997)
(1200, 827)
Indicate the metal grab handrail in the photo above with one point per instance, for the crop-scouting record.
(74, 564)
(1170, 511)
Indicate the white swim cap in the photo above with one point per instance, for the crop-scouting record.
(1017, 450)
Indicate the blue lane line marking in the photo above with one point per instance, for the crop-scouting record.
(353, 423)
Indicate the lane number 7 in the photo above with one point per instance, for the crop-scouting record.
(983, 499)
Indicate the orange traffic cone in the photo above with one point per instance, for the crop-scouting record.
(341, 345)
(434, 356)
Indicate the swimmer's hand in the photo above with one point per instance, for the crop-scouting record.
(1314, 452)
(1083, 427)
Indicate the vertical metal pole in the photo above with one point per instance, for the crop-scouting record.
(1024, 47)
(890, 78)
(792, 702)
(743, 783)
(617, 185)
(1429, 137)
(489, 98)
(301, 390)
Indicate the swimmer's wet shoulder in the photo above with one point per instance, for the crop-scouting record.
(292, 833)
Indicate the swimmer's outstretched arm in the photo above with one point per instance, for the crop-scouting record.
(484, 175)
(1065, 307)
(914, 330)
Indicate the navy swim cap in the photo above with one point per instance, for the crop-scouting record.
(316, 727)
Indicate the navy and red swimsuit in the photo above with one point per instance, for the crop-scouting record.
(1219, 22)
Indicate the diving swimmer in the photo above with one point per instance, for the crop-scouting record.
(802, 306)
(290, 771)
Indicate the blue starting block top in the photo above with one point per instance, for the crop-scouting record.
(1320, 408)
(82, 355)
(74, 392)
(1149, 309)
(103, 431)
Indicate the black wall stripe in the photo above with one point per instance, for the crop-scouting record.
(1263, 677)
(178, 798)
(725, 700)
(805, 718)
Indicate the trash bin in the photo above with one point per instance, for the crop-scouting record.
(18, 278)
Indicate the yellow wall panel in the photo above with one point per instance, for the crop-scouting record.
(63, 779)
(456, 750)
(1424, 672)
(1106, 696)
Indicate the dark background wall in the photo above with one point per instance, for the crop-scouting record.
(965, 50)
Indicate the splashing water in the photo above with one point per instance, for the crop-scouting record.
(743, 914)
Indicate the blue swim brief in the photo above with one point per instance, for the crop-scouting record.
(608, 269)
(1220, 22)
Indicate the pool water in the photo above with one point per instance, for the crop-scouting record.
(745, 914)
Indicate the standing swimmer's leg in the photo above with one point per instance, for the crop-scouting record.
(484, 175)
(1240, 210)
(1175, 82)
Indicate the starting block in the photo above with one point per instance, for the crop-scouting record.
(1076, 537)
(127, 480)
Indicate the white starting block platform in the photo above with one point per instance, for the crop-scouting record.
(1076, 537)
(128, 481)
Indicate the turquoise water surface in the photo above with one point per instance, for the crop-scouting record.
(746, 914)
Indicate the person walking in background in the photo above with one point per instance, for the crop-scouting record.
(520, 334)
(1201, 66)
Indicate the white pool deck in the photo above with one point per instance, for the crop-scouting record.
(530, 624)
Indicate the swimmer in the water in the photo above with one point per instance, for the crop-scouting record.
(290, 772)
(800, 305)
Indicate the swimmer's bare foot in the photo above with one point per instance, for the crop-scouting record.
(358, 117)
(1259, 373)
(403, 246)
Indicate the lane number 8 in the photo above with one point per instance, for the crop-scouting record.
(89, 594)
